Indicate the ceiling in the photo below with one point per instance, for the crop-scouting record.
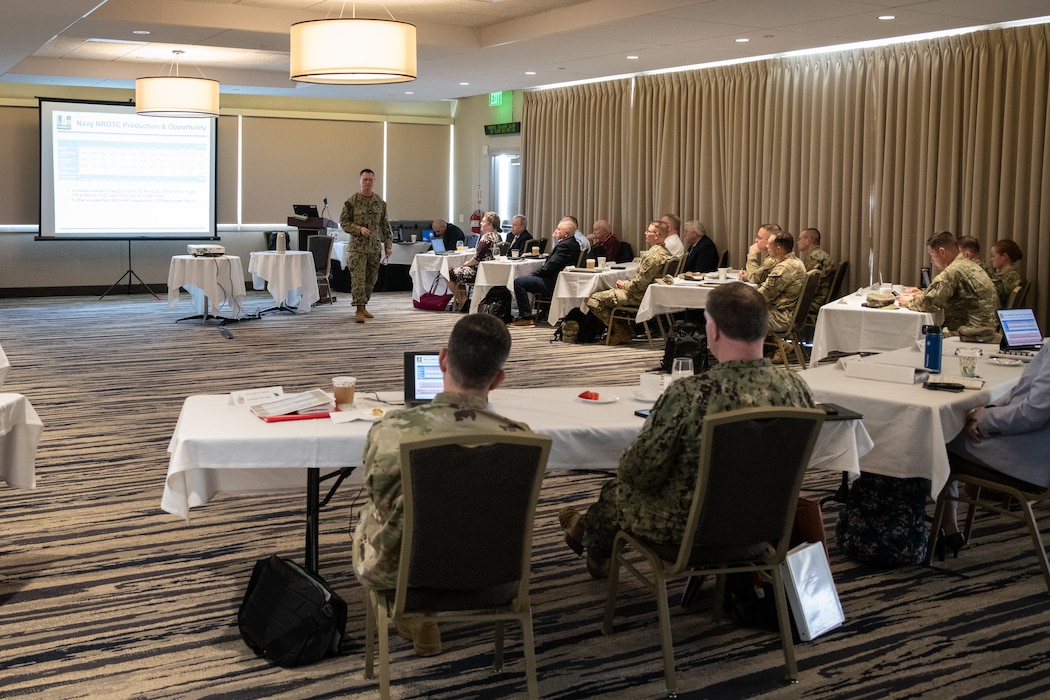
(465, 47)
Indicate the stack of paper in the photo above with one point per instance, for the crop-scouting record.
(313, 401)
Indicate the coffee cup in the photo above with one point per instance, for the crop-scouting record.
(414, 238)
(968, 361)
(601, 262)
(535, 250)
(651, 385)
(723, 272)
(590, 263)
(343, 388)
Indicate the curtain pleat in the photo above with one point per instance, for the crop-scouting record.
(878, 148)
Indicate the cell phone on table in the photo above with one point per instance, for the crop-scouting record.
(642, 412)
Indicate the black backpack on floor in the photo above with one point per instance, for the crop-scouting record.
(686, 339)
(884, 520)
(497, 303)
(578, 327)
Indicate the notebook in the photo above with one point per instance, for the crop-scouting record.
(423, 377)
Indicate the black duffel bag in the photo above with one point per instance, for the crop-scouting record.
(289, 615)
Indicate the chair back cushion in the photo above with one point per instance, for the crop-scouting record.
(471, 513)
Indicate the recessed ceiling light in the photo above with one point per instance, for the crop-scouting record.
(742, 41)
(409, 92)
(530, 72)
(140, 31)
(632, 58)
(464, 83)
(887, 18)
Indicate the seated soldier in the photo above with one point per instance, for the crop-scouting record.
(784, 283)
(631, 291)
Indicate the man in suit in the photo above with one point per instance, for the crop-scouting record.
(542, 281)
(449, 233)
(1010, 438)
(519, 234)
(701, 252)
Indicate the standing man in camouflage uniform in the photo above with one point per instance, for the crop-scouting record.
(364, 218)
(962, 290)
(784, 283)
(650, 496)
(472, 364)
(631, 291)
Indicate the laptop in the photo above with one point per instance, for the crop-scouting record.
(309, 210)
(438, 246)
(1021, 336)
(428, 234)
(423, 377)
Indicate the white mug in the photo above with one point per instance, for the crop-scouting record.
(651, 385)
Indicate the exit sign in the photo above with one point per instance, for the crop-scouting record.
(495, 99)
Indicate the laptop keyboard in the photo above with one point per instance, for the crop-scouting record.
(1022, 355)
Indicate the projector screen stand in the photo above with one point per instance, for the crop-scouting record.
(130, 274)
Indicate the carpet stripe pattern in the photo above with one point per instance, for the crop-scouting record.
(104, 595)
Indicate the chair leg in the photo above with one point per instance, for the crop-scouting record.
(383, 624)
(497, 654)
(785, 624)
(664, 613)
(530, 655)
(1037, 540)
(935, 527)
(370, 639)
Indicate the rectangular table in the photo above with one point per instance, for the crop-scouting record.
(500, 273)
(574, 286)
(910, 425)
(846, 325)
(220, 279)
(219, 447)
(289, 276)
(20, 429)
(428, 267)
(672, 298)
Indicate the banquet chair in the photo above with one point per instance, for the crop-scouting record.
(1019, 295)
(739, 520)
(840, 276)
(502, 248)
(456, 568)
(321, 248)
(979, 477)
(540, 243)
(626, 253)
(270, 237)
(724, 262)
(629, 312)
(792, 338)
(471, 240)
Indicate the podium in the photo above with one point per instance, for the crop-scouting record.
(312, 226)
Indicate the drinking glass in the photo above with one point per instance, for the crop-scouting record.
(682, 367)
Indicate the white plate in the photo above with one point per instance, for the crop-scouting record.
(603, 399)
(637, 396)
(1004, 362)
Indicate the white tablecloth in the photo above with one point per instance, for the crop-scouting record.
(5, 366)
(496, 273)
(402, 253)
(845, 325)
(218, 447)
(670, 298)
(220, 280)
(573, 287)
(289, 276)
(427, 267)
(911, 425)
(20, 429)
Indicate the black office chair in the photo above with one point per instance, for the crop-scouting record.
(321, 249)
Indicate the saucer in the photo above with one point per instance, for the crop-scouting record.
(611, 399)
(637, 396)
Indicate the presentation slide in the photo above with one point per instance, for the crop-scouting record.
(106, 172)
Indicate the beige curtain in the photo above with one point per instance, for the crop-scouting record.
(572, 155)
(878, 148)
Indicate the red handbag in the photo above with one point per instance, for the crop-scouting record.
(432, 301)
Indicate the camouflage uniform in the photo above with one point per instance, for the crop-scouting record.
(360, 211)
(785, 282)
(1005, 282)
(602, 303)
(758, 269)
(818, 259)
(651, 494)
(968, 299)
(377, 539)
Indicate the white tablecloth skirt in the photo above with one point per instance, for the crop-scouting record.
(289, 276)
(20, 429)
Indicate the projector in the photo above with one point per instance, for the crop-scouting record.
(206, 251)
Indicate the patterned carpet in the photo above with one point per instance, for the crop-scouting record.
(104, 595)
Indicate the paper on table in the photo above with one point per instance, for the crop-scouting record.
(254, 397)
(870, 368)
(315, 398)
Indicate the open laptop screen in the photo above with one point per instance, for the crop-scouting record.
(428, 234)
(1020, 329)
(306, 210)
(438, 246)
(423, 377)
